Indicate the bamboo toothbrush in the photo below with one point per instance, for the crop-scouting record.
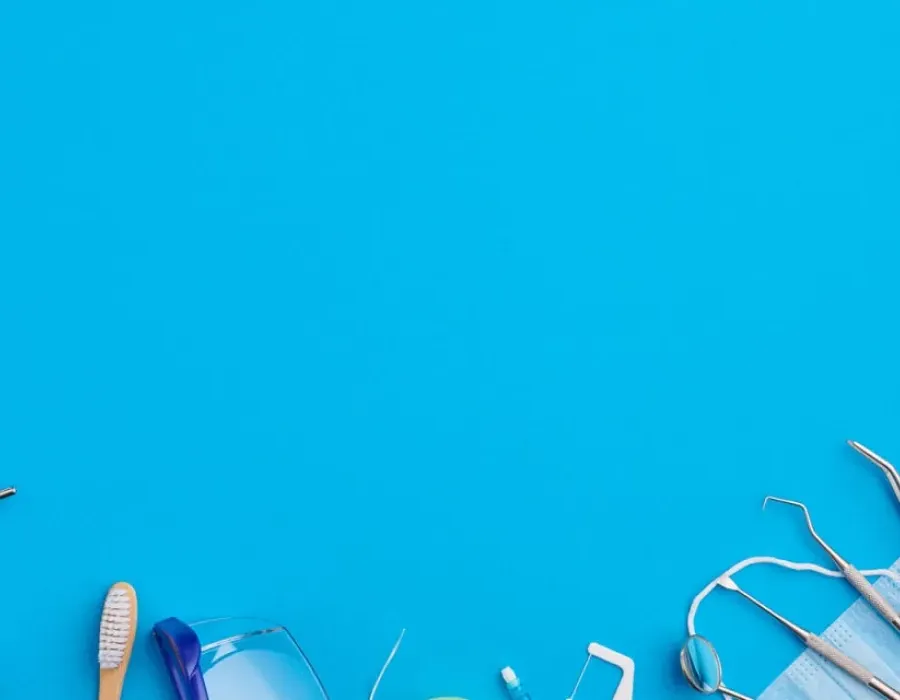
(118, 626)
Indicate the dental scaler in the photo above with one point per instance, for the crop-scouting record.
(890, 471)
(881, 604)
(820, 646)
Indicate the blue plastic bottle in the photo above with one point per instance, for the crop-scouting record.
(514, 685)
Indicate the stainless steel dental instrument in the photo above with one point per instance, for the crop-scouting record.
(862, 645)
(702, 668)
(820, 646)
(856, 579)
(890, 471)
(7, 492)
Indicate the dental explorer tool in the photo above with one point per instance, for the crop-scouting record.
(890, 471)
(856, 579)
(7, 492)
(820, 646)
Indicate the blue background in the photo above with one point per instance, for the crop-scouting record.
(494, 320)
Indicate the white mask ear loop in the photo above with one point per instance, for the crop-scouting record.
(792, 565)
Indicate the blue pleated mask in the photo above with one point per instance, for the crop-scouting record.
(863, 636)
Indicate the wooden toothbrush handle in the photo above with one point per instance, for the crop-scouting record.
(111, 682)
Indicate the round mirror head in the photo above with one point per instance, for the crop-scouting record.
(700, 665)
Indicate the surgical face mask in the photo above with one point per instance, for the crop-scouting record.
(859, 632)
(863, 636)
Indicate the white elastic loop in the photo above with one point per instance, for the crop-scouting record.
(794, 566)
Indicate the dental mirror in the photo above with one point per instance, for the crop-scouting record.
(702, 669)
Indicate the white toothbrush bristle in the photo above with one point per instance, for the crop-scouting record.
(115, 628)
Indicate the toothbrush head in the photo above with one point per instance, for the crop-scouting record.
(117, 627)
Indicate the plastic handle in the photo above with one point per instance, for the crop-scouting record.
(625, 691)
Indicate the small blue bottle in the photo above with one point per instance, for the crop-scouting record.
(513, 685)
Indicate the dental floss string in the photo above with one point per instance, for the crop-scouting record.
(584, 669)
(387, 663)
(793, 566)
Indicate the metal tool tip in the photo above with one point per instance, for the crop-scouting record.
(864, 451)
(7, 492)
(778, 499)
(869, 454)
